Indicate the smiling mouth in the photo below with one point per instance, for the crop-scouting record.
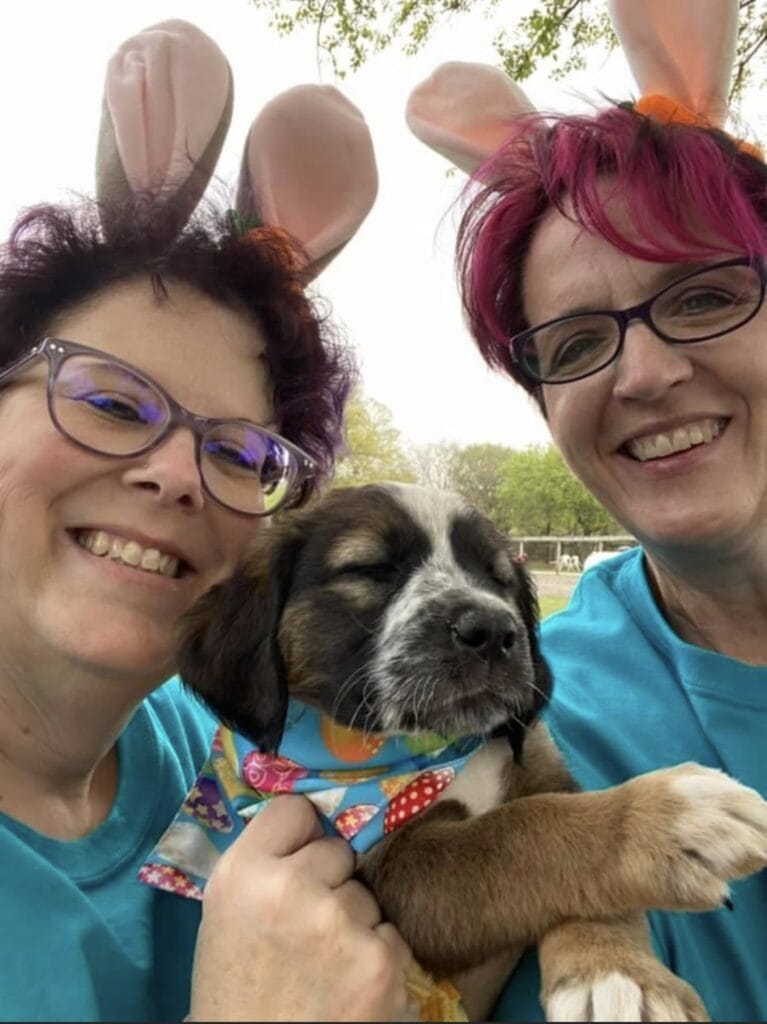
(663, 444)
(130, 553)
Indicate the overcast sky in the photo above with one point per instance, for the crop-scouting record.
(392, 287)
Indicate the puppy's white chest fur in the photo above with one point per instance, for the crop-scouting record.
(480, 784)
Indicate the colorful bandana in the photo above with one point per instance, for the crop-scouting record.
(364, 786)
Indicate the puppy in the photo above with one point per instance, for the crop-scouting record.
(401, 610)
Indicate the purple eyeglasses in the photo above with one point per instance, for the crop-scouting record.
(108, 406)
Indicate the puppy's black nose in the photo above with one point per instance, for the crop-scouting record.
(489, 632)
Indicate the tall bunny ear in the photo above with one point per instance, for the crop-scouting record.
(309, 169)
(466, 111)
(166, 110)
(681, 51)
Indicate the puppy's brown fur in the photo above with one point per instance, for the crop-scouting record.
(353, 602)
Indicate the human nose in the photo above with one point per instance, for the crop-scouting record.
(170, 472)
(648, 366)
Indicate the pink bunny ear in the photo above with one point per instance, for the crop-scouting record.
(309, 169)
(682, 50)
(466, 111)
(167, 106)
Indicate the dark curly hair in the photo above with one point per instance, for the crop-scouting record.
(59, 256)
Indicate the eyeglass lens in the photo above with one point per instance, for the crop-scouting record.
(106, 407)
(704, 305)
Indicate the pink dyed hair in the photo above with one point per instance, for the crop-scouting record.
(659, 171)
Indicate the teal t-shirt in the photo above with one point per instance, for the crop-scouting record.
(630, 697)
(81, 938)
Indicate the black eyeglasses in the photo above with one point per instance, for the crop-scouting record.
(698, 307)
(107, 406)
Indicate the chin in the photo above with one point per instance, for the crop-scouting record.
(127, 650)
(714, 533)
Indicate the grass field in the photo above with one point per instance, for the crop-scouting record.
(549, 604)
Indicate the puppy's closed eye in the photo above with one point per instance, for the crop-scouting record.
(378, 572)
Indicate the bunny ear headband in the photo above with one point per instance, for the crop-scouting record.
(308, 167)
(681, 53)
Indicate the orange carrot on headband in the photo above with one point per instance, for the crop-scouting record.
(668, 111)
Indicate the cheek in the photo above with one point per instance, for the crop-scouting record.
(573, 416)
(234, 535)
(564, 422)
(30, 445)
(37, 468)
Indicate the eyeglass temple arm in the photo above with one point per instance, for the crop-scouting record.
(9, 372)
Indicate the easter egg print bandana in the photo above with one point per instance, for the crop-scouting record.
(363, 786)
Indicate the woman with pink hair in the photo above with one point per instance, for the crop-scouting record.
(613, 265)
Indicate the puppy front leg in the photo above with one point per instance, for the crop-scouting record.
(606, 970)
(462, 890)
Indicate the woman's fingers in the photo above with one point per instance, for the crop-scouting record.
(288, 933)
(285, 825)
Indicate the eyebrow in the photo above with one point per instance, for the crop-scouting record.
(666, 275)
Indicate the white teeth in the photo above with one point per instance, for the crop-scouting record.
(656, 446)
(168, 565)
(663, 446)
(100, 543)
(151, 559)
(681, 440)
(129, 552)
(696, 434)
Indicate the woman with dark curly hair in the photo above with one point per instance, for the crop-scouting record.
(166, 385)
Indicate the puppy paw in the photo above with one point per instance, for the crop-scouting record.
(643, 992)
(691, 830)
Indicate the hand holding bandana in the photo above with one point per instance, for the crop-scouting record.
(363, 785)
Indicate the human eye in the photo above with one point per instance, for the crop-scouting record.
(248, 454)
(114, 406)
(575, 350)
(573, 346)
(108, 392)
(697, 301)
(233, 455)
(713, 294)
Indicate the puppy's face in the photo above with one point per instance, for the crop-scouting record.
(392, 608)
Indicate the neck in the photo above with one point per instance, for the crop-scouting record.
(58, 764)
(719, 604)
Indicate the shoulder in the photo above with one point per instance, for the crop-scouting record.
(607, 598)
(614, 692)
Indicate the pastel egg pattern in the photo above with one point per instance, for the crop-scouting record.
(416, 796)
(169, 879)
(271, 773)
(350, 821)
(203, 802)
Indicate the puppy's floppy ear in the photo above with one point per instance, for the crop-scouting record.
(528, 605)
(527, 602)
(229, 655)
